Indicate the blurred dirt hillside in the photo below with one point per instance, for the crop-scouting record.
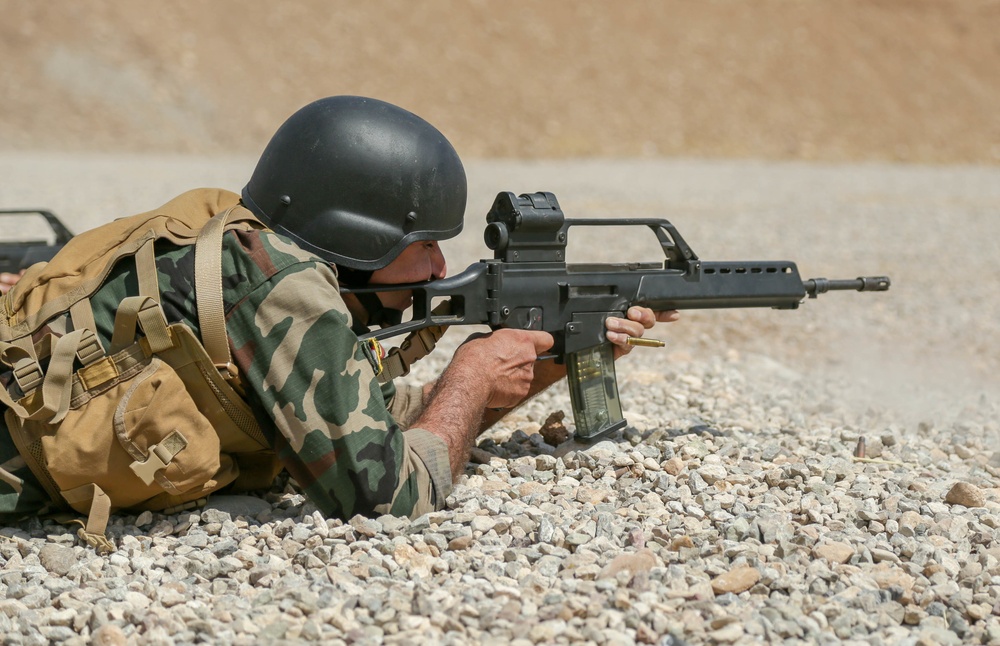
(837, 80)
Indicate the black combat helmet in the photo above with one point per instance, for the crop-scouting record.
(356, 180)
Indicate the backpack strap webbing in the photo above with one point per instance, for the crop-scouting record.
(92, 532)
(49, 400)
(148, 315)
(208, 293)
(414, 347)
(145, 270)
(82, 315)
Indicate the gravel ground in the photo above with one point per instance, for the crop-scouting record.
(732, 510)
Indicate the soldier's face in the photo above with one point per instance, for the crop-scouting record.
(419, 262)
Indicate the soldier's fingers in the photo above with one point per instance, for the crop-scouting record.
(543, 341)
(626, 328)
(618, 338)
(642, 315)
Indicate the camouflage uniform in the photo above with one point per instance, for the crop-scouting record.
(306, 376)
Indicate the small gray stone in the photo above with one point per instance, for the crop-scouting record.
(236, 506)
(223, 547)
(392, 524)
(482, 524)
(884, 555)
(711, 473)
(214, 516)
(366, 526)
(548, 565)
(57, 559)
(108, 635)
(697, 483)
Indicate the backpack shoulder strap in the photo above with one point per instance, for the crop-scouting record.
(208, 285)
(208, 289)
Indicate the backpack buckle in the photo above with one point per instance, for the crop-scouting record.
(28, 374)
(90, 349)
(231, 374)
(159, 457)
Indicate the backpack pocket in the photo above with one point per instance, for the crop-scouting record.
(141, 439)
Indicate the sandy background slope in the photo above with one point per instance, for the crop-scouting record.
(908, 80)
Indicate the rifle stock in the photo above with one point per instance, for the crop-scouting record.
(529, 285)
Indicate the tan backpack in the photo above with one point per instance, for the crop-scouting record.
(156, 420)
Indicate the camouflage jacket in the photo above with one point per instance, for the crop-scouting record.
(307, 379)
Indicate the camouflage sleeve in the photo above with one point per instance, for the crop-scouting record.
(306, 372)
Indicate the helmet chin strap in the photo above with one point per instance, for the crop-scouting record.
(415, 346)
(379, 314)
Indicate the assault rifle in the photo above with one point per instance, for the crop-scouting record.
(16, 255)
(528, 285)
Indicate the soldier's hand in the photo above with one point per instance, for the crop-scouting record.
(506, 359)
(640, 319)
(8, 280)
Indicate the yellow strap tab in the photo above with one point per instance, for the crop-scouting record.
(376, 355)
(97, 373)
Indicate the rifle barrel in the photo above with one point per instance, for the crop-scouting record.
(816, 286)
